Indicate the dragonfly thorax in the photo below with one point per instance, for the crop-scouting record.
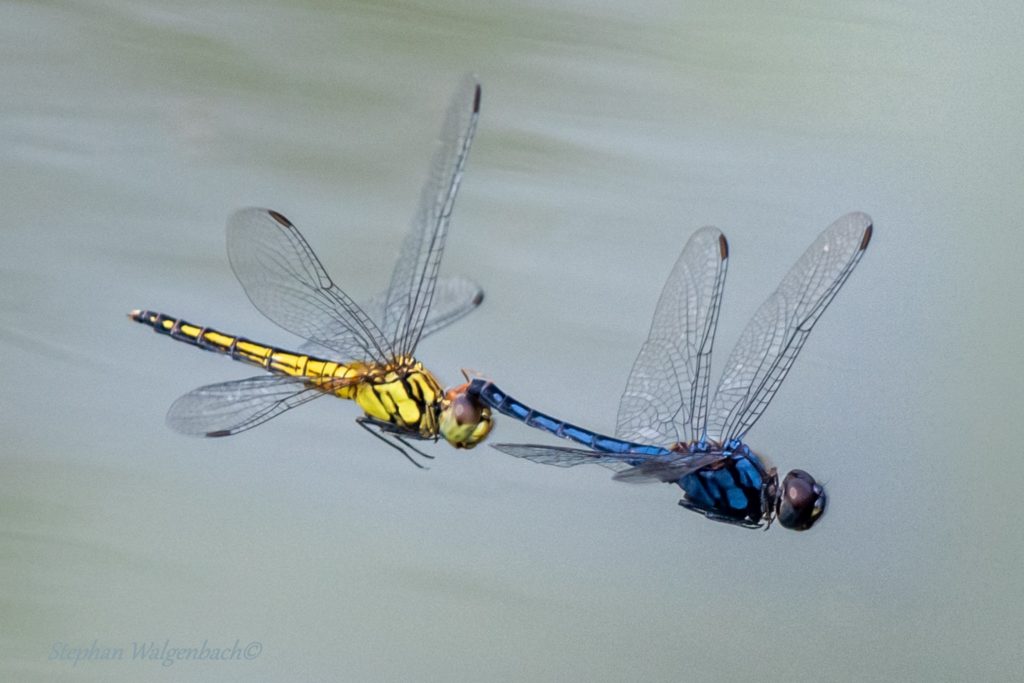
(736, 488)
(741, 489)
(403, 393)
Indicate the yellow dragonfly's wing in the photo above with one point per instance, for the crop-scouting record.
(287, 283)
(454, 297)
(412, 288)
(227, 408)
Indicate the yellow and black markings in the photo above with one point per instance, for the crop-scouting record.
(403, 393)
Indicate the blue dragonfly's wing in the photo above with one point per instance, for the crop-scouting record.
(454, 297)
(231, 407)
(560, 456)
(287, 283)
(413, 280)
(669, 470)
(631, 467)
(665, 400)
(666, 396)
(773, 338)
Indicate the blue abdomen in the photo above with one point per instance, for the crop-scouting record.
(729, 488)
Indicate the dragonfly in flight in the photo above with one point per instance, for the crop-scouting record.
(667, 429)
(360, 352)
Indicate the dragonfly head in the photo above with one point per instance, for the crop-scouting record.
(801, 501)
(465, 421)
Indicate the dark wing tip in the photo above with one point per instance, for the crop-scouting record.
(220, 432)
(476, 99)
(723, 247)
(479, 298)
(280, 218)
(867, 236)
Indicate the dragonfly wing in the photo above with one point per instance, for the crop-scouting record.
(560, 456)
(413, 281)
(774, 336)
(231, 407)
(667, 470)
(666, 396)
(454, 297)
(286, 281)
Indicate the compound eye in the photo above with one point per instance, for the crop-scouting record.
(465, 420)
(802, 502)
(465, 410)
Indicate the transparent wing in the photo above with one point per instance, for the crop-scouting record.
(773, 338)
(412, 285)
(287, 283)
(630, 468)
(560, 456)
(454, 297)
(668, 470)
(231, 407)
(666, 397)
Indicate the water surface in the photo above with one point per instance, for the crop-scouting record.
(609, 134)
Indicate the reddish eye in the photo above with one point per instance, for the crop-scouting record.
(466, 410)
(464, 420)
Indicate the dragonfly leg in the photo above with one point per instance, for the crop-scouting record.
(411, 447)
(372, 427)
(396, 434)
(714, 517)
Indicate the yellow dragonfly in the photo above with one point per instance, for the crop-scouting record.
(360, 352)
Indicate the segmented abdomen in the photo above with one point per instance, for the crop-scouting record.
(269, 358)
(503, 403)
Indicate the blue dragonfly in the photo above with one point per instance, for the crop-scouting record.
(668, 430)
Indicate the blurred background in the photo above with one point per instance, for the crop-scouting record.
(609, 133)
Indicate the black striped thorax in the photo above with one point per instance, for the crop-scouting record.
(403, 393)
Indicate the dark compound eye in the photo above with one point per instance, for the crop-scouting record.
(466, 410)
(802, 501)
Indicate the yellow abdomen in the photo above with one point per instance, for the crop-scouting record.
(404, 393)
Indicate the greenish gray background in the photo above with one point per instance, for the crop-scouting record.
(611, 131)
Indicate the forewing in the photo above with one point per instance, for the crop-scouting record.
(560, 456)
(454, 297)
(287, 283)
(412, 287)
(231, 407)
(773, 338)
(666, 396)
